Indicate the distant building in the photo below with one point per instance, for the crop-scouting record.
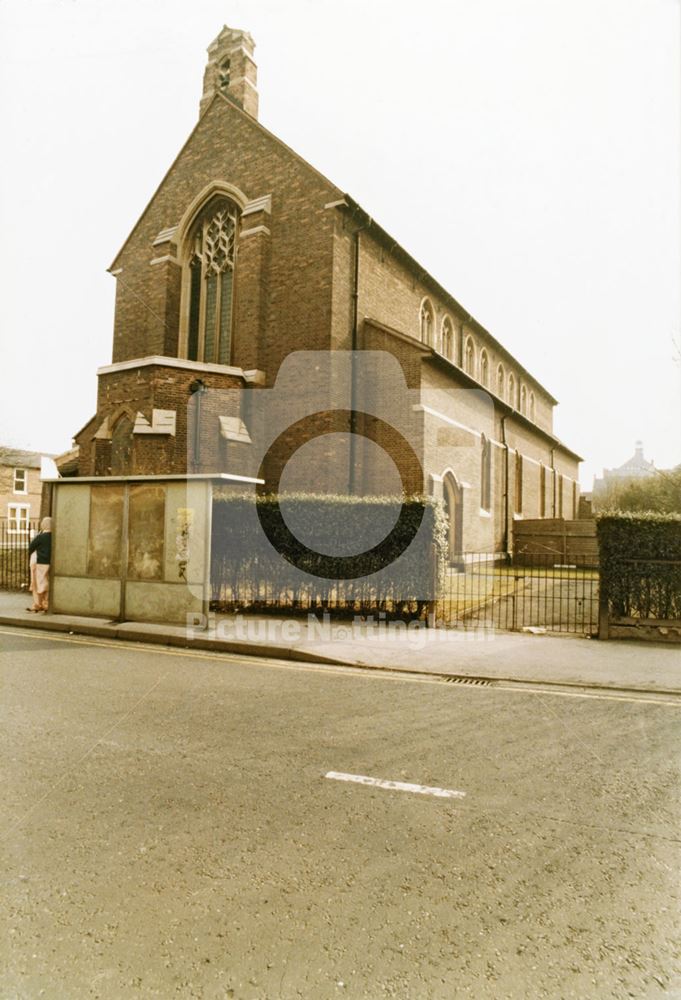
(636, 467)
(20, 488)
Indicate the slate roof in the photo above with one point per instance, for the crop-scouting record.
(17, 458)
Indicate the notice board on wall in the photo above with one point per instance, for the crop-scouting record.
(146, 528)
(105, 533)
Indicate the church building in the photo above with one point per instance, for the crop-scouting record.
(246, 255)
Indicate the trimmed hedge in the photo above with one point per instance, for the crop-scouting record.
(640, 564)
(312, 562)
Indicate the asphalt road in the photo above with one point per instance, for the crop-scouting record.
(169, 831)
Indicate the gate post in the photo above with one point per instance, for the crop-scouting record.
(431, 607)
(603, 616)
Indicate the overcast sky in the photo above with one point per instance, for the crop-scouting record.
(526, 152)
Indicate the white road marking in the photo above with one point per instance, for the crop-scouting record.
(400, 786)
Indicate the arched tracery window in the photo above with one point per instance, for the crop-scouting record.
(533, 408)
(511, 390)
(523, 400)
(500, 381)
(427, 321)
(212, 245)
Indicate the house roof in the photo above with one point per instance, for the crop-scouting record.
(17, 458)
(345, 200)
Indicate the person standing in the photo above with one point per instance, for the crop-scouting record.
(41, 546)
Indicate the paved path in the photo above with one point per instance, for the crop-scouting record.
(545, 659)
(169, 832)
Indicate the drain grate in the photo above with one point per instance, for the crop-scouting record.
(474, 681)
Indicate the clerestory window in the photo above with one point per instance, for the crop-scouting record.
(447, 337)
(484, 368)
(211, 283)
(427, 322)
(469, 357)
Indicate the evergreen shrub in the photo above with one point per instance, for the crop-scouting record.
(249, 572)
(640, 564)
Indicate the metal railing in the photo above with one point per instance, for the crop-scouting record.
(477, 590)
(14, 541)
(342, 599)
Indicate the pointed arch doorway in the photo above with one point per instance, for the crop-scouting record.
(452, 495)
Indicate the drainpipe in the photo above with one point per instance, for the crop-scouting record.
(354, 347)
(197, 388)
(553, 483)
(505, 444)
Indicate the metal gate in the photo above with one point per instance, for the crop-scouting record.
(486, 590)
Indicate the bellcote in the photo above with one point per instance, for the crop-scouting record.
(231, 71)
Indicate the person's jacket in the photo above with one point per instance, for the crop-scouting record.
(42, 545)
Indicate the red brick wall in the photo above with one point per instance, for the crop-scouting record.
(164, 388)
(294, 286)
